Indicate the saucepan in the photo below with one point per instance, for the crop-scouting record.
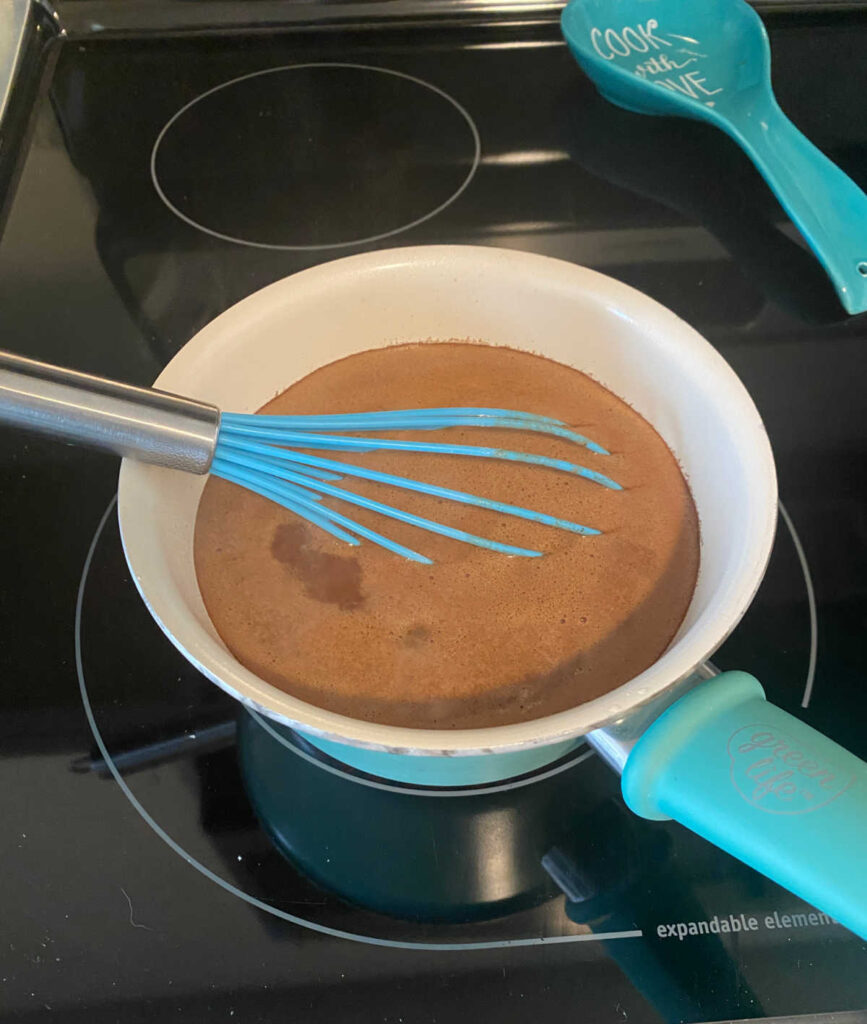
(709, 752)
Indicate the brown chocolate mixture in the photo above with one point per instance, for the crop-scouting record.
(478, 638)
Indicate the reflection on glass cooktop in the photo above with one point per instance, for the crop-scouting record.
(553, 858)
(165, 872)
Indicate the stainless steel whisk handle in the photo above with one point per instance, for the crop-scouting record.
(140, 423)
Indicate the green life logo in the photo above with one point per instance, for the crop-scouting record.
(777, 775)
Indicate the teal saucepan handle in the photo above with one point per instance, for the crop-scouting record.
(825, 204)
(762, 785)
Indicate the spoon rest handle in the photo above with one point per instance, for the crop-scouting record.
(828, 208)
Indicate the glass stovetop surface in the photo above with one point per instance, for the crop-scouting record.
(164, 180)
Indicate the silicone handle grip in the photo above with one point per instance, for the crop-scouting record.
(763, 786)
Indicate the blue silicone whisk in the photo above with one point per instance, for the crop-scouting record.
(711, 61)
(274, 455)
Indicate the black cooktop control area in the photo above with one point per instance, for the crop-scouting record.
(165, 178)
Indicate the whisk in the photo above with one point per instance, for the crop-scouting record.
(273, 455)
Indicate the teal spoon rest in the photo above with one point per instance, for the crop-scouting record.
(711, 61)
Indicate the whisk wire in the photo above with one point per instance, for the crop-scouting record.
(421, 419)
(271, 459)
(262, 454)
(392, 512)
(335, 442)
(304, 505)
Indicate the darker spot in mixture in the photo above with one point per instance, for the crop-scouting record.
(332, 579)
(416, 635)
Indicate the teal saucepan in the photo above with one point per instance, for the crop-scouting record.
(710, 752)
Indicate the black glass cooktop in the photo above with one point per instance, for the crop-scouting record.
(164, 854)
